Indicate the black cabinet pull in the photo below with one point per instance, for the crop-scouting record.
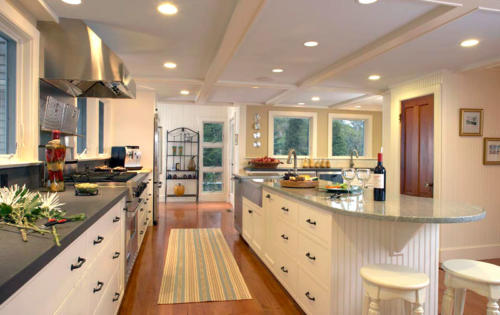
(311, 222)
(116, 219)
(308, 255)
(268, 196)
(142, 232)
(250, 211)
(116, 255)
(142, 209)
(311, 298)
(146, 222)
(117, 297)
(284, 269)
(99, 286)
(284, 209)
(98, 240)
(80, 263)
(283, 236)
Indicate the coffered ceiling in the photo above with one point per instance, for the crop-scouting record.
(225, 50)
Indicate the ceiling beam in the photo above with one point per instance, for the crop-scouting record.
(489, 5)
(243, 17)
(281, 96)
(355, 100)
(248, 84)
(173, 81)
(422, 25)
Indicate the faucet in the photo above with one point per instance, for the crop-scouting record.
(289, 160)
(351, 162)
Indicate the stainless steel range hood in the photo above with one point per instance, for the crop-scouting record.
(75, 60)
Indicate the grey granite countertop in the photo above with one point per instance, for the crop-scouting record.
(245, 176)
(399, 208)
(19, 261)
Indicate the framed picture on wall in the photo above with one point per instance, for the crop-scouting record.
(471, 122)
(491, 154)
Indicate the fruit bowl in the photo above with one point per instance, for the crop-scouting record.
(265, 162)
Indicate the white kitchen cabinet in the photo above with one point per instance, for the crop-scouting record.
(71, 283)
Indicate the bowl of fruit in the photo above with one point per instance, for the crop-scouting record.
(265, 162)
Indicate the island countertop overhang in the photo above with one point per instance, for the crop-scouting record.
(399, 208)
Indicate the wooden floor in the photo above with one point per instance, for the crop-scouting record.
(269, 296)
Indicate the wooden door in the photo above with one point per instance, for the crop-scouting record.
(417, 146)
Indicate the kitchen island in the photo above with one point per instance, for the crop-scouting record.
(316, 245)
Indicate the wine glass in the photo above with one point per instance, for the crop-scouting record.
(363, 176)
(348, 174)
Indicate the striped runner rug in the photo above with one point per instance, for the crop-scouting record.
(200, 267)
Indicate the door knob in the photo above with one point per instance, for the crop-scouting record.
(429, 185)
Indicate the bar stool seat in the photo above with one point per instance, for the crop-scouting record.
(477, 276)
(387, 282)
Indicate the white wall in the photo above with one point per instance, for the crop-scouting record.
(192, 116)
(465, 178)
(132, 123)
(458, 170)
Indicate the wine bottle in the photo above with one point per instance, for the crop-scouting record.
(379, 180)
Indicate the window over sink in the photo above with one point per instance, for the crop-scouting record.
(295, 130)
(348, 132)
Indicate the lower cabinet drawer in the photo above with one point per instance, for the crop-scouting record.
(111, 298)
(286, 237)
(101, 233)
(286, 270)
(77, 303)
(316, 222)
(313, 297)
(314, 258)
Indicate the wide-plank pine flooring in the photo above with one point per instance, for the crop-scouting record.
(269, 296)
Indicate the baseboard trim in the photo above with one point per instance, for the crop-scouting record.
(478, 252)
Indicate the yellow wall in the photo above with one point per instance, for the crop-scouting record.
(322, 132)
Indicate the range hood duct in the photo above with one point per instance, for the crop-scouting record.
(75, 60)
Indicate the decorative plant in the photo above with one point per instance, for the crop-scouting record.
(21, 208)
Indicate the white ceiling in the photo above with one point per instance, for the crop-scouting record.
(144, 39)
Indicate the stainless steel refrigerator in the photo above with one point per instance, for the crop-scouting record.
(157, 167)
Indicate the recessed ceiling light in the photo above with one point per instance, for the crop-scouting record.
(301, 103)
(315, 98)
(374, 77)
(72, 1)
(255, 87)
(278, 70)
(184, 92)
(366, 1)
(471, 42)
(311, 44)
(358, 106)
(166, 8)
(170, 65)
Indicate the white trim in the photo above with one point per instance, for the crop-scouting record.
(26, 36)
(313, 130)
(476, 252)
(368, 133)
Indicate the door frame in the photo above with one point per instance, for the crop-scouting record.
(392, 129)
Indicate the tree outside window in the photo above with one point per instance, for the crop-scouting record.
(291, 132)
(347, 135)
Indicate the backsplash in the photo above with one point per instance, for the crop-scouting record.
(29, 175)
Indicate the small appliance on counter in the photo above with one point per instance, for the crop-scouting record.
(128, 156)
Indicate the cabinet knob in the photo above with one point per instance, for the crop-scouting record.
(268, 196)
(250, 211)
(99, 286)
(98, 240)
(142, 232)
(284, 269)
(116, 255)
(116, 219)
(79, 263)
(308, 255)
(311, 222)
(283, 236)
(116, 297)
(311, 298)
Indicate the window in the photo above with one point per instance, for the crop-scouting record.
(292, 130)
(7, 95)
(101, 127)
(213, 162)
(348, 132)
(81, 130)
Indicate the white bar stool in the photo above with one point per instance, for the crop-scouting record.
(388, 282)
(478, 276)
